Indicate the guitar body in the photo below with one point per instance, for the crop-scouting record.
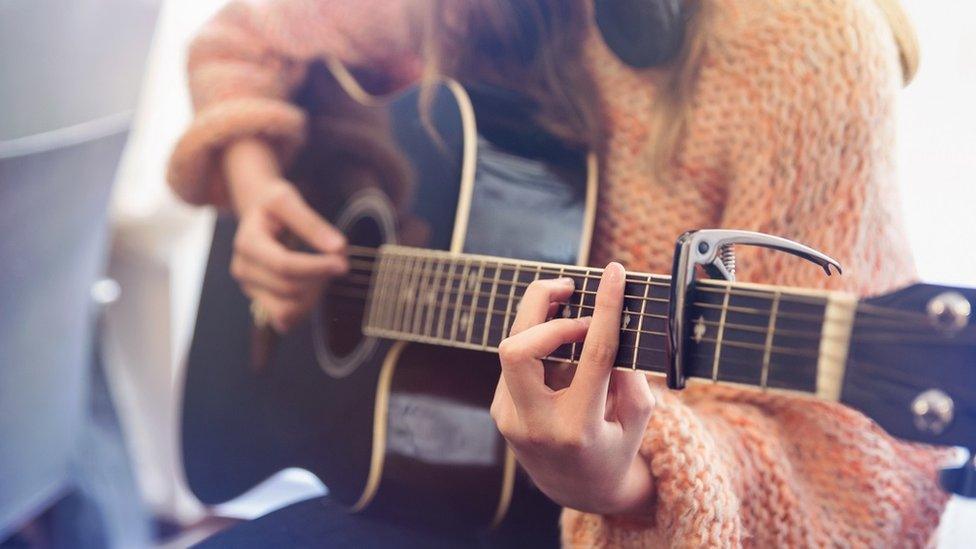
(400, 430)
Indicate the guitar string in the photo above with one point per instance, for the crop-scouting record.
(698, 351)
(812, 334)
(879, 313)
(631, 277)
(863, 308)
(817, 319)
(468, 307)
(738, 292)
(626, 348)
(922, 321)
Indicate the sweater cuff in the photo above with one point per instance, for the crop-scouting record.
(194, 170)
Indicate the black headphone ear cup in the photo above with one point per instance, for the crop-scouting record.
(642, 33)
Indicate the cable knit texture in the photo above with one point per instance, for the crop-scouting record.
(790, 132)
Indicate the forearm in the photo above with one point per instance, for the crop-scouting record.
(249, 165)
(247, 61)
(637, 498)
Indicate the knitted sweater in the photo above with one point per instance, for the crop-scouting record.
(790, 132)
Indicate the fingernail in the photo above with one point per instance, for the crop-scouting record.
(566, 281)
(585, 320)
(613, 272)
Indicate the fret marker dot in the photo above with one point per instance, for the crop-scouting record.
(700, 329)
(625, 321)
(464, 320)
(566, 312)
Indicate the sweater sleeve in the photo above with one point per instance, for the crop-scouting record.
(815, 83)
(245, 63)
(815, 162)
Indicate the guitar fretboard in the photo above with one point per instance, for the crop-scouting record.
(763, 336)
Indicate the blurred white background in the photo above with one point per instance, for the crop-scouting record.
(937, 142)
(160, 246)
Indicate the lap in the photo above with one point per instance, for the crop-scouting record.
(320, 522)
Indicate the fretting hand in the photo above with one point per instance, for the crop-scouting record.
(579, 444)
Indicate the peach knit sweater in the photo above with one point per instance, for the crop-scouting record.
(791, 133)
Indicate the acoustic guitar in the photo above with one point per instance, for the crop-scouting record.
(383, 393)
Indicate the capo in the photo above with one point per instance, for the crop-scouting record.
(714, 249)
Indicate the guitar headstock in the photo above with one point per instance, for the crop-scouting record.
(912, 364)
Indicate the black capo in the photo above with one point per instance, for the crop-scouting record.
(714, 249)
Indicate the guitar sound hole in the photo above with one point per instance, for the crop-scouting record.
(344, 301)
(340, 347)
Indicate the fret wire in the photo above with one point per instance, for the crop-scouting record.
(396, 289)
(371, 292)
(491, 304)
(562, 272)
(384, 289)
(430, 294)
(538, 274)
(446, 298)
(381, 287)
(511, 297)
(424, 281)
(721, 333)
(395, 283)
(408, 294)
(460, 298)
(640, 325)
(579, 314)
(479, 279)
(769, 341)
(392, 284)
(429, 325)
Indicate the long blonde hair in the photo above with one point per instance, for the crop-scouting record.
(534, 47)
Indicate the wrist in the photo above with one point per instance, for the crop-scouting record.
(252, 194)
(636, 495)
(251, 170)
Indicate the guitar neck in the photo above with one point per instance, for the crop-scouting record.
(768, 337)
